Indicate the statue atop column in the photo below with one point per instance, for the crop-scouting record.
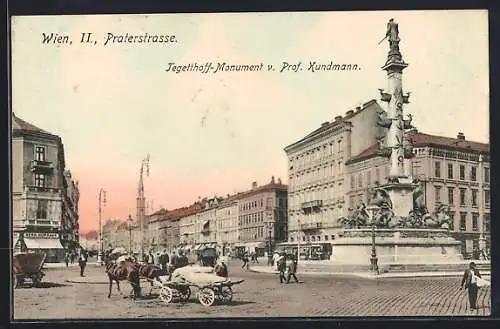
(392, 34)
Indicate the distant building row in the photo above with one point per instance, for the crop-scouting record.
(248, 220)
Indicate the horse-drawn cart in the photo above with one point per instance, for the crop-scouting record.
(27, 265)
(211, 288)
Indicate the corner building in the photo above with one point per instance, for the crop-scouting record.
(316, 172)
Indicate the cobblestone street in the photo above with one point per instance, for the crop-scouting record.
(261, 295)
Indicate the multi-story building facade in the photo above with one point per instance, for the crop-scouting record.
(262, 216)
(155, 238)
(38, 188)
(70, 217)
(316, 172)
(227, 223)
(453, 172)
(187, 236)
(206, 224)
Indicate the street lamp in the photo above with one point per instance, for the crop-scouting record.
(102, 202)
(372, 211)
(298, 240)
(269, 253)
(130, 220)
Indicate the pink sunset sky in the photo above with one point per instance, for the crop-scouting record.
(215, 134)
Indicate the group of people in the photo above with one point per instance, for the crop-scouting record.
(69, 258)
(286, 266)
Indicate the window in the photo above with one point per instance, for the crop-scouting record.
(326, 237)
(487, 222)
(333, 237)
(451, 191)
(450, 170)
(452, 221)
(437, 169)
(473, 174)
(40, 153)
(462, 172)
(438, 193)
(474, 198)
(463, 218)
(360, 180)
(41, 210)
(352, 181)
(486, 175)
(487, 198)
(474, 222)
(40, 180)
(368, 178)
(462, 197)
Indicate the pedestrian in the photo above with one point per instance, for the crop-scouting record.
(274, 261)
(82, 261)
(281, 263)
(245, 260)
(66, 258)
(292, 269)
(469, 282)
(174, 261)
(72, 256)
(221, 268)
(151, 258)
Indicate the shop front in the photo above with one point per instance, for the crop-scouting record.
(49, 243)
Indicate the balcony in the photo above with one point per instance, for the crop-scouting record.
(41, 189)
(41, 167)
(42, 222)
(311, 226)
(312, 204)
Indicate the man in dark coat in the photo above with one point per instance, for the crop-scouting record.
(82, 261)
(281, 263)
(292, 269)
(470, 283)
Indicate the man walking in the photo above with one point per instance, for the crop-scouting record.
(281, 263)
(469, 281)
(82, 261)
(164, 259)
(292, 269)
(245, 260)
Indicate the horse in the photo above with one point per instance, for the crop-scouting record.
(151, 273)
(127, 271)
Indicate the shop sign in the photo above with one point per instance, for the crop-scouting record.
(41, 235)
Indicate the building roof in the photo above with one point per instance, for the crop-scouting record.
(19, 124)
(337, 122)
(259, 189)
(90, 235)
(419, 139)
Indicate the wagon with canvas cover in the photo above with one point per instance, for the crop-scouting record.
(27, 265)
(210, 287)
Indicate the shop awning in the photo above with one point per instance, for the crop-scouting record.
(43, 243)
(253, 245)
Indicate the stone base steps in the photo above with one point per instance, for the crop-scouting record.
(390, 268)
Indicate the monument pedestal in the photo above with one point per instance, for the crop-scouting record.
(399, 245)
(401, 195)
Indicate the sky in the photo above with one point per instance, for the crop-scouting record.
(214, 134)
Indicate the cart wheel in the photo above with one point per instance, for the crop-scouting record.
(206, 296)
(166, 295)
(226, 294)
(185, 293)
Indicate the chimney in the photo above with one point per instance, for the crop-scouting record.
(272, 179)
(338, 117)
(461, 136)
(350, 112)
(254, 185)
(358, 108)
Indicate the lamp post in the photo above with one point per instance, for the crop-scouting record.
(102, 202)
(298, 240)
(372, 211)
(130, 220)
(269, 253)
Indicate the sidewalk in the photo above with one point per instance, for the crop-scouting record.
(63, 265)
(367, 275)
